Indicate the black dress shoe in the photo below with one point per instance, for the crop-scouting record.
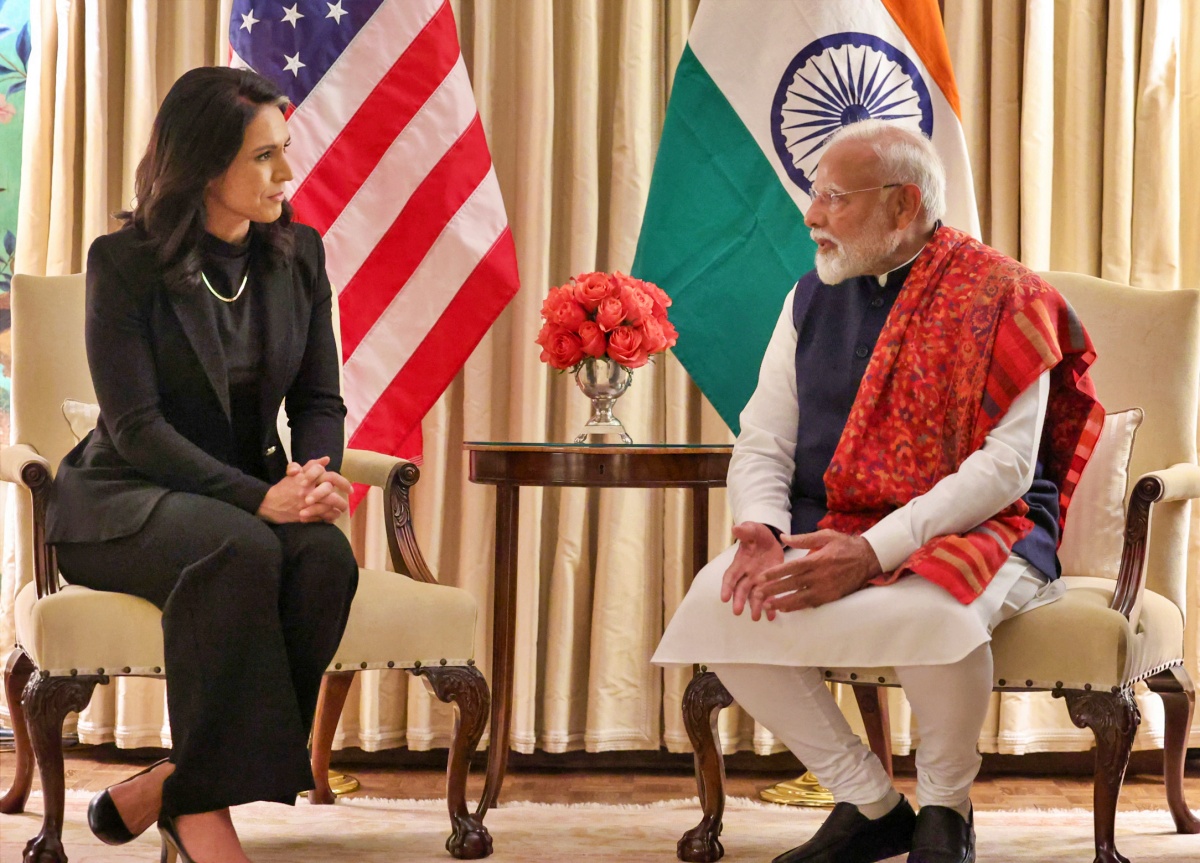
(104, 819)
(943, 836)
(848, 836)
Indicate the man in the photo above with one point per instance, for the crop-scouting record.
(922, 413)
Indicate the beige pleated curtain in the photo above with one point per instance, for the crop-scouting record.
(1076, 114)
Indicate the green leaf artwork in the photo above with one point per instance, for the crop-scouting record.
(15, 49)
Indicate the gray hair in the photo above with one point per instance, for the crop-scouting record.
(904, 157)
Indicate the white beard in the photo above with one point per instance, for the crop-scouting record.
(859, 255)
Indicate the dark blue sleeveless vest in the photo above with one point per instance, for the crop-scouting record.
(836, 330)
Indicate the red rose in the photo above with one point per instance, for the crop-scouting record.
(561, 348)
(625, 347)
(568, 313)
(610, 313)
(594, 343)
(560, 308)
(637, 303)
(669, 332)
(590, 289)
(553, 300)
(660, 299)
(653, 338)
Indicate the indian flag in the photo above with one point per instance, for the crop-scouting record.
(759, 90)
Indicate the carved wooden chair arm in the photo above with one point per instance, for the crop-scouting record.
(20, 463)
(15, 459)
(1179, 482)
(368, 467)
(395, 476)
(1175, 483)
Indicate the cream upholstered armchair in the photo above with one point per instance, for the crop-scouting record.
(1122, 618)
(69, 639)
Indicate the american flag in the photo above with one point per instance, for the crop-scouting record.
(392, 167)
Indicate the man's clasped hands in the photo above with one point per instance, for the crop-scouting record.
(837, 564)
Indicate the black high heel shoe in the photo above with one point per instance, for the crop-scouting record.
(105, 821)
(172, 847)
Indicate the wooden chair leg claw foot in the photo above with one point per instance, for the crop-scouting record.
(700, 845)
(702, 702)
(1113, 718)
(466, 689)
(470, 839)
(47, 701)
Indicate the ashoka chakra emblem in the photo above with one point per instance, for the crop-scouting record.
(839, 80)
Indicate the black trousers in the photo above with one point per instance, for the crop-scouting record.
(252, 615)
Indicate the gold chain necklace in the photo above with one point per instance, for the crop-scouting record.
(213, 290)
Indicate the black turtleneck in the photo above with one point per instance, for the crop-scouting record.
(239, 328)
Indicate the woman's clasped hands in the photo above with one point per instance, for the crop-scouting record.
(309, 493)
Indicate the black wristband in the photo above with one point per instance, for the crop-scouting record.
(776, 532)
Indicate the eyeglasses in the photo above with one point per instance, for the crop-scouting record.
(833, 200)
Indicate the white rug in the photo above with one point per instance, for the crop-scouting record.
(406, 831)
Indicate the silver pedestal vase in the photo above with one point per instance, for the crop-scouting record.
(603, 381)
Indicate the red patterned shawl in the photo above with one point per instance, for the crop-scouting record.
(970, 330)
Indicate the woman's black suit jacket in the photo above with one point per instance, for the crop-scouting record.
(159, 373)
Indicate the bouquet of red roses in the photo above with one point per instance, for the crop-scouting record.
(605, 315)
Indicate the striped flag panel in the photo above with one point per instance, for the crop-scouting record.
(392, 167)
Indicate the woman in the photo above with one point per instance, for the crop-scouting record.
(204, 312)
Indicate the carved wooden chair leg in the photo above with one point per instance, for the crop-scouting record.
(873, 705)
(334, 688)
(47, 701)
(466, 688)
(17, 671)
(702, 702)
(1179, 700)
(1113, 718)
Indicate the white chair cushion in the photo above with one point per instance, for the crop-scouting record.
(395, 622)
(84, 631)
(1077, 642)
(1095, 530)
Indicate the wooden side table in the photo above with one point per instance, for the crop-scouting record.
(508, 466)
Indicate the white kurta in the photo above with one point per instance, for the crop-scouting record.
(911, 622)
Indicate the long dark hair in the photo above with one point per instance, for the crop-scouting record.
(197, 133)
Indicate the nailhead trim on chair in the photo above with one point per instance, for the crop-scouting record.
(1002, 682)
(156, 671)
